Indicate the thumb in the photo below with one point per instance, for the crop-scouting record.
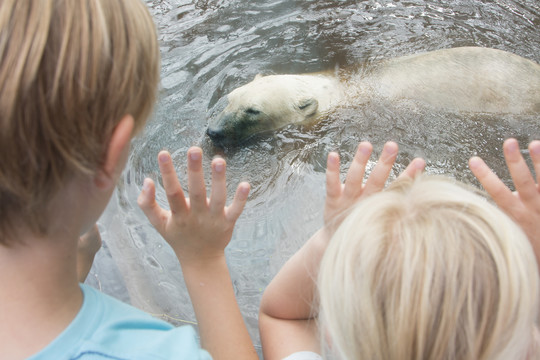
(147, 202)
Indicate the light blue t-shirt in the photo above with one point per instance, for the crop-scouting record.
(107, 329)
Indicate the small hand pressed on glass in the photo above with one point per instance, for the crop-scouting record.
(340, 197)
(523, 205)
(196, 227)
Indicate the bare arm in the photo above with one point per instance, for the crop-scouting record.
(524, 205)
(288, 309)
(198, 229)
(88, 246)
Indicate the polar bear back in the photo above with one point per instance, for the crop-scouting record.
(469, 79)
(462, 79)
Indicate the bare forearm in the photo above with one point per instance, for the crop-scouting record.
(222, 329)
(286, 323)
(280, 338)
(291, 293)
(89, 244)
(84, 264)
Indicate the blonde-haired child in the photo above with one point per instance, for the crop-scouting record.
(425, 269)
(78, 79)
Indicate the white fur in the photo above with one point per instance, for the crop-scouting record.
(465, 79)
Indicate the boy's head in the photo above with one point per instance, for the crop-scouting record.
(69, 71)
(428, 269)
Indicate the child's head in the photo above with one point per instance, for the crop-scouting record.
(69, 71)
(428, 269)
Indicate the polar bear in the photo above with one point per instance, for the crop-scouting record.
(468, 79)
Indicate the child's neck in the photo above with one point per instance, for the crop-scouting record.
(39, 293)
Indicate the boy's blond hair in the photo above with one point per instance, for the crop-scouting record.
(69, 71)
(429, 270)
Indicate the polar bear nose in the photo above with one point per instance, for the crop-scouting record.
(215, 135)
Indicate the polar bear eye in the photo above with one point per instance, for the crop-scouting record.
(252, 111)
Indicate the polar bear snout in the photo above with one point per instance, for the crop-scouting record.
(228, 129)
(217, 136)
(233, 127)
(219, 130)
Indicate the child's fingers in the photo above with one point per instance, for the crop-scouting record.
(415, 168)
(534, 152)
(147, 202)
(173, 190)
(234, 210)
(492, 184)
(196, 185)
(521, 175)
(355, 175)
(218, 196)
(333, 183)
(380, 173)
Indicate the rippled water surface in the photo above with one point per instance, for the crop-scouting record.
(211, 47)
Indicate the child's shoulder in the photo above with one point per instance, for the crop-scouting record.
(107, 328)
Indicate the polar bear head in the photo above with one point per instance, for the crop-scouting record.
(269, 103)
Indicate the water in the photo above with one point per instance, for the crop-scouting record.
(211, 47)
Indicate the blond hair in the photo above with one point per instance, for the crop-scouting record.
(69, 71)
(429, 270)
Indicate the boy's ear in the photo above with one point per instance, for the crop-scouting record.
(116, 154)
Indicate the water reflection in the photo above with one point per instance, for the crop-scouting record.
(211, 47)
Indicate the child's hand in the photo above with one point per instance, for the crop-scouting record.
(339, 197)
(87, 247)
(197, 228)
(524, 205)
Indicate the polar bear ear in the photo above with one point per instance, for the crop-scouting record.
(258, 76)
(308, 106)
